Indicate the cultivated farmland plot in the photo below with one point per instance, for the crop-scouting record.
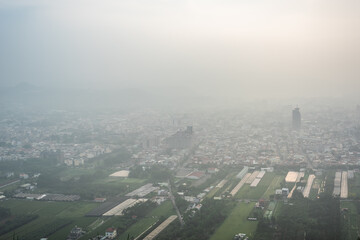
(48, 213)
(252, 177)
(160, 228)
(118, 210)
(142, 191)
(344, 185)
(309, 183)
(240, 184)
(255, 193)
(236, 222)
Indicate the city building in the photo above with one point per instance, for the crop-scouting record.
(296, 119)
(181, 139)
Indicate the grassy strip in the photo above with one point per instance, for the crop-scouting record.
(14, 222)
(47, 211)
(212, 193)
(275, 184)
(47, 229)
(247, 192)
(236, 223)
(350, 221)
(164, 210)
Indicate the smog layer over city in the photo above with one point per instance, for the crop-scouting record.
(179, 120)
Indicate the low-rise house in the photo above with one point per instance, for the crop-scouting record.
(110, 233)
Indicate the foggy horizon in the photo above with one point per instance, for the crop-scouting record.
(229, 50)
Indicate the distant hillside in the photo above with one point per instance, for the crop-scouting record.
(31, 96)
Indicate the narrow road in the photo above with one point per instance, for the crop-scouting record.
(8, 184)
(174, 205)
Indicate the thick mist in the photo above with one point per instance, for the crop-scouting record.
(221, 50)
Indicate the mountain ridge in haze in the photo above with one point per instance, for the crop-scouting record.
(32, 96)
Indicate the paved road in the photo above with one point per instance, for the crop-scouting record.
(174, 205)
(8, 184)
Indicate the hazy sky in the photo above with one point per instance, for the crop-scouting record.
(225, 48)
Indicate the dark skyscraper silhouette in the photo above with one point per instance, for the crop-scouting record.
(296, 119)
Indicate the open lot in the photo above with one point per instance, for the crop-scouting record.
(122, 173)
(236, 223)
(291, 177)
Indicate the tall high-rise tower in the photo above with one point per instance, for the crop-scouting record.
(296, 119)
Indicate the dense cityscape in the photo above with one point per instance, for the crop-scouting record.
(124, 165)
(327, 137)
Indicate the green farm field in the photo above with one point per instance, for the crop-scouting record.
(69, 173)
(212, 193)
(115, 222)
(236, 223)
(120, 181)
(142, 225)
(247, 192)
(278, 208)
(350, 221)
(354, 186)
(11, 186)
(275, 184)
(48, 211)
